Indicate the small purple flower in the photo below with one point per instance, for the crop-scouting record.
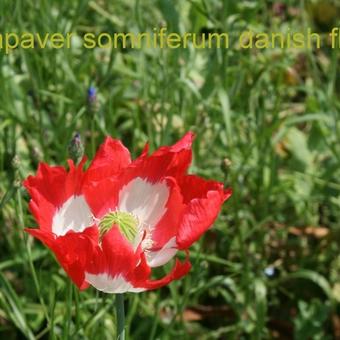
(91, 94)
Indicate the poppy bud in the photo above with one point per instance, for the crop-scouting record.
(76, 149)
(225, 165)
(16, 162)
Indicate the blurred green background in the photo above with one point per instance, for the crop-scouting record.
(267, 123)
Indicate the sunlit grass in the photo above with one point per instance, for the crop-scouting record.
(270, 266)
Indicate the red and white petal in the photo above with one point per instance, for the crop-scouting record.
(168, 225)
(184, 144)
(116, 268)
(168, 160)
(158, 208)
(74, 214)
(73, 251)
(44, 189)
(113, 261)
(47, 183)
(178, 271)
(108, 284)
(140, 278)
(204, 200)
(145, 200)
(109, 160)
(55, 196)
(102, 196)
(162, 256)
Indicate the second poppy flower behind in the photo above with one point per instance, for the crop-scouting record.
(126, 217)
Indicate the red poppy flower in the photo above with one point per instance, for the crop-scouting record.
(111, 224)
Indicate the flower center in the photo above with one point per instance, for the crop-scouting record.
(126, 222)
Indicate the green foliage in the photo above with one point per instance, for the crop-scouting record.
(309, 323)
(269, 268)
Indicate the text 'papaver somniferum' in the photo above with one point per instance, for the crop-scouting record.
(111, 224)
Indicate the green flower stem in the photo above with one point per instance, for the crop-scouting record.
(120, 316)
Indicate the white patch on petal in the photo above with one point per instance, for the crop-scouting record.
(109, 284)
(74, 215)
(145, 200)
(159, 258)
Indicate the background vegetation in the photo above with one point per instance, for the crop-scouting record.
(267, 123)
